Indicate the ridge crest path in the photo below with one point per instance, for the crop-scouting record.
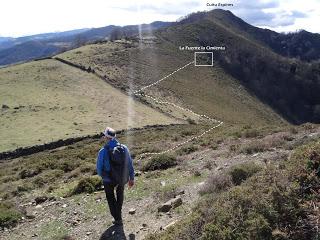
(139, 93)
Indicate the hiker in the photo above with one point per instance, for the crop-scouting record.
(114, 165)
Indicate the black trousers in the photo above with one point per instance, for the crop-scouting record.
(115, 196)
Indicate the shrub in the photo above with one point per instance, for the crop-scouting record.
(208, 165)
(214, 146)
(273, 204)
(233, 148)
(27, 173)
(196, 173)
(48, 176)
(253, 147)
(188, 149)
(215, 232)
(251, 133)
(40, 181)
(186, 133)
(293, 130)
(74, 173)
(216, 183)
(241, 172)
(237, 134)
(68, 166)
(162, 161)
(305, 168)
(191, 121)
(257, 226)
(7, 179)
(88, 185)
(88, 168)
(9, 216)
(24, 187)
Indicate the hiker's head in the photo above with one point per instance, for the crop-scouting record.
(109, 133)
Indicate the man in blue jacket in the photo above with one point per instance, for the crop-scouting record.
(114, 191)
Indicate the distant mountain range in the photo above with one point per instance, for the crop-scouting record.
(14, 50)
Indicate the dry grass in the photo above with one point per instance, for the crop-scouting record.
(206, 90)
(49, 100)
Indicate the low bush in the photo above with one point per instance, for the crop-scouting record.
(233, 147)
(257, 228)
(187, 150)
(40, 181)
(162, 161)
(9, 216)
(67, 166)
(10, 178)
(214, 146)
(24, 187)
(48, 176)
(272, 204)
(253, 147)
(293, 130)
(89, 168)
(308, 174)
(216, 184)
(251, 133)
(28, 173)
(237, 134)
(87, 185)
(191, 121)
(86, 168)
(241, 172)
(186, 133)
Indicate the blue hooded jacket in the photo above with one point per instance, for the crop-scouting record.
(103, 165)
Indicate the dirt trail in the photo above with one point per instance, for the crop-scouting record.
(86, 216)
(86, 223)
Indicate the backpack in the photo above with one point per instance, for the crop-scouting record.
(119, 172)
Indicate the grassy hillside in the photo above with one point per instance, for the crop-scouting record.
(288, 85)
(48, 100)
(56, 194)
(130, 65)
(277, 200)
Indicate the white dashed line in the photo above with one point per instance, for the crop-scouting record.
(137, 93)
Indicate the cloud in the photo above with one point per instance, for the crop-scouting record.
(298, 14)
(266, 13)
(260, 18)
(255, 4)
(37, 16)
(162, 7)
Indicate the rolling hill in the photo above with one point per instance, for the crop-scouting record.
(46, 100)
(210, 91)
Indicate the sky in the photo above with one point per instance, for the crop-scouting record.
(27, 17)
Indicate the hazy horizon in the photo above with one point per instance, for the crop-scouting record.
(61, 16)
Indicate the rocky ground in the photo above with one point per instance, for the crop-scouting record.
(86, 216)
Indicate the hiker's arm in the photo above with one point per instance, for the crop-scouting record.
(100, 162)
(131, 169)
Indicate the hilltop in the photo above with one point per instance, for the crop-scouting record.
(290, 86)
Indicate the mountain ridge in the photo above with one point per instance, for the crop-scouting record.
(14, 50)
(265, 72)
